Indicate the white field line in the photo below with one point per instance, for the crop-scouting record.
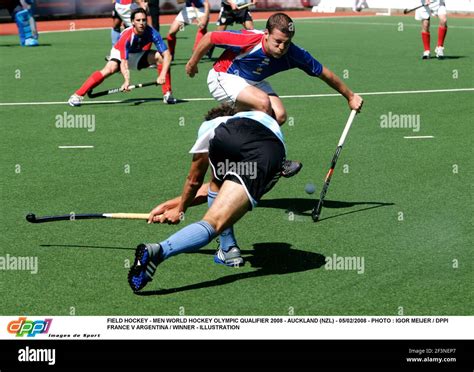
(321, 20)
(289, 96)
(418, 137)
(75, 147)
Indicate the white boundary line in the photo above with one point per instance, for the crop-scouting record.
(75, 147)
(418, 137)
(321, 21)
(290, 96)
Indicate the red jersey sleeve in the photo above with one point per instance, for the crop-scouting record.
(124, 43)
(235, 38)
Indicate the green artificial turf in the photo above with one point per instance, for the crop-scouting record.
(403, 205)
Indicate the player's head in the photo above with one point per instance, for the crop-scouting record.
(138, 18)
(225, 109)
(279, 31)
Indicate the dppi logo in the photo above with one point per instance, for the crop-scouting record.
(28, 327)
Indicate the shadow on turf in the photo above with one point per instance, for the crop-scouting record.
(303, 207)
(19, 46)
(267, 258)
(449, 57)
(132, 101)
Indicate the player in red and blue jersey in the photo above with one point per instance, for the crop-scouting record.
(194, 11)
(133, 51)
(251, 56)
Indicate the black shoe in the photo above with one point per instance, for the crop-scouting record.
(290, 168)
(144, 265)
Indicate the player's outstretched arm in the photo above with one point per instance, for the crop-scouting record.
(200, 198)
(192, 185)
(202, 48)
(354, 100)
(126, 74)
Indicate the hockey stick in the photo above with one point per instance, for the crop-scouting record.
(406, 11)
(119, 90)
(31, 217)
(317, 209)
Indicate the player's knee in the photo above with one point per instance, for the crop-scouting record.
(109, 69)
(216, 219)
(425, 26)
(214, 222)
(158, 58)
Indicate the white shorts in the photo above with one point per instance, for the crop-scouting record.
(226, 87)
(188, 14)
(124, 12)
(133, 58)
(435, 9)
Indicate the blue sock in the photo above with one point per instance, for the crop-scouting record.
(226, 238)
(115, 36)
(188, 239)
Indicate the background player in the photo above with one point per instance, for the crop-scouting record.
(132, 51)
(121, 14)
(432, 8)
(154, 9)
(230, 14)
(244, 138)
(194, 10)
(22, 15)
(238, 76)
(359, 5)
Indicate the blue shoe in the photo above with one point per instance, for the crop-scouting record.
(31, 42)
(230, 258)
(144, 265)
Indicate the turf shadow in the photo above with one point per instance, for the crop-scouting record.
(131, 101)
(452, 57)
(267, 258)
(19, 46)
(303, 207)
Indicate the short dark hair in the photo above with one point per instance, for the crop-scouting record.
(225, 109)
(136, 11)
(281, 22)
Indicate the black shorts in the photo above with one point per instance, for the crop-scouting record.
(246, 152)
(228, 17)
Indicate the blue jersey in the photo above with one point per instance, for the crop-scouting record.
(130, 42)
(245, 56)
